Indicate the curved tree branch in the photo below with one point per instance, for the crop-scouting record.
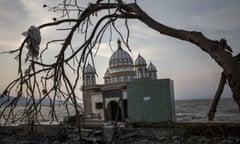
(55, 82)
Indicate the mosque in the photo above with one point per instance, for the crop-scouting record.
(109, 101)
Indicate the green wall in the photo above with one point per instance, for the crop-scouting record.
(151, 101)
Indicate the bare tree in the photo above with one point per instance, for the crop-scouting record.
(44, 80)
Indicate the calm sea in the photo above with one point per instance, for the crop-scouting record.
(196, 111)
(186, 111)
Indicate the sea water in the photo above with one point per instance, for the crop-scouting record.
(197, 110)
(186, 111)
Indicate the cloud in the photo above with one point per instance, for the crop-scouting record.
(12, 12)
(139, 30)
(13, 18)
(37, 14)
(105, 50)
(195, 84)
(220, 19)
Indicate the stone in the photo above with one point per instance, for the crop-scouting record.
(176, 141)
(161, 138)
(175, 137)
(227, 141)
(56, 142)
(108, 132)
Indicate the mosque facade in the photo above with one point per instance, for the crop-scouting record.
(109, 101)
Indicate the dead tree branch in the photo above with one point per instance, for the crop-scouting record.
(51, 80)
(216, 98)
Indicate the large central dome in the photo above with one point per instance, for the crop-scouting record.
(122, 69)
(120, 58)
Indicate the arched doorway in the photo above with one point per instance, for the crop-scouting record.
(114, 111)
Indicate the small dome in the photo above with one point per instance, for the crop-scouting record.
(89, 69)
(140, 60)
(152, 68)
(120, 57)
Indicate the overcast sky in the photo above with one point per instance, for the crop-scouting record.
(194, 73)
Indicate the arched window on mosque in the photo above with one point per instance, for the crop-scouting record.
(125, 79)
(118, 79)
(140, 73)
(120, 61)
(125, 61)
(150, 76)
(93, 80)
(87, 80)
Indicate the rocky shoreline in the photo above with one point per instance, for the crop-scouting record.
(177, 133)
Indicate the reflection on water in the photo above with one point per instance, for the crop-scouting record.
(186, 111)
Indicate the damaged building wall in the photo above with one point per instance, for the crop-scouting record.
(151, 101)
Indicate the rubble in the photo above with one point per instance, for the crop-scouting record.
(189, 133)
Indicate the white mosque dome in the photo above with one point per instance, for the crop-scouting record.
(152, 68)
(122, 68)
(140, 61)
(120, 58)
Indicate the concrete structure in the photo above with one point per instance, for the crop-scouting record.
(151, 101)
(109, 101)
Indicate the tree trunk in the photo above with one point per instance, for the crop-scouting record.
(218, 50)
(216, 98)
